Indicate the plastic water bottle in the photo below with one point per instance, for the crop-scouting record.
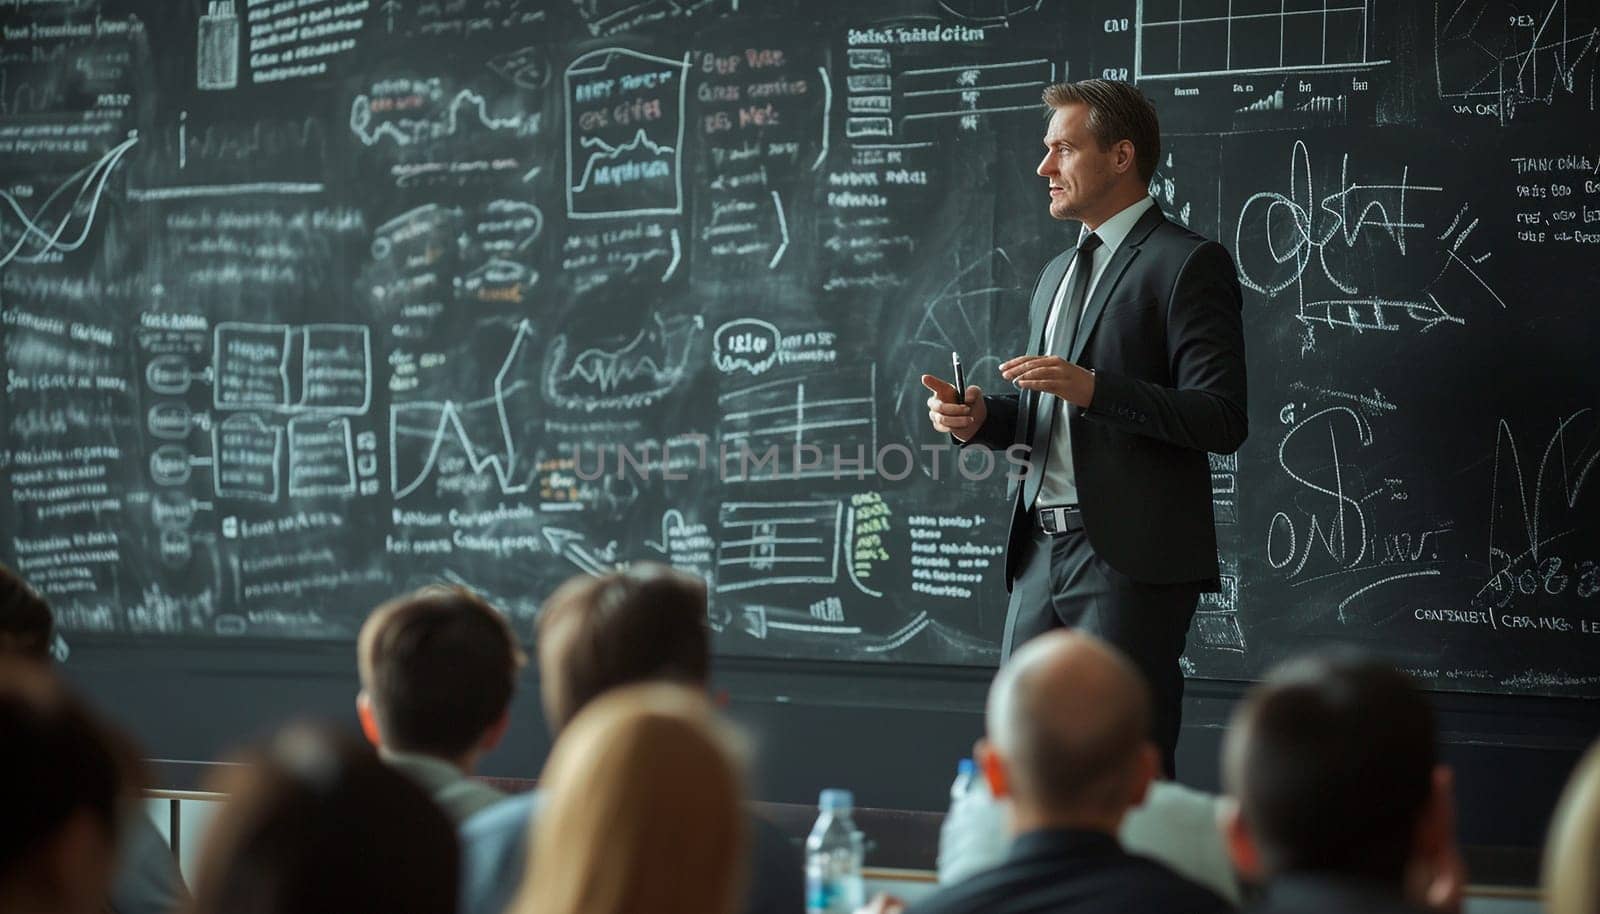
(966, 771)
(833, 857)
(974, 835)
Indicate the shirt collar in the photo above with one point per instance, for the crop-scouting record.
(1353, 893)
(1115, 230)
(1064, 842)
(428, 766)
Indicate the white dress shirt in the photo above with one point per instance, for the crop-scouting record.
(1060, 483)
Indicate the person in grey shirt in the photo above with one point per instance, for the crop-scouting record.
(438, 667)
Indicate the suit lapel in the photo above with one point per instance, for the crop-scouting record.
(1103, 290)
(1045, 295)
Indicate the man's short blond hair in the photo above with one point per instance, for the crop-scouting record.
(1117, 111)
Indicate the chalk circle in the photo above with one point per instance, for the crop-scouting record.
(172, 510)
(169, 465)
(168, 374)
(169, 420)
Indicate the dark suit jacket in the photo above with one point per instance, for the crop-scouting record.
(1073, 872)
(1304, 893)
(1164, 335)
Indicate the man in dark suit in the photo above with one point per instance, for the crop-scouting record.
(1337, 801)
(1135, 370)
(1068, 725)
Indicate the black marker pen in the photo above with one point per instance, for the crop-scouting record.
(961, 378)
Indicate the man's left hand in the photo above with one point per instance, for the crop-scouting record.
(1051, 374)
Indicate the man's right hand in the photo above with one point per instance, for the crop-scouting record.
(959, 419)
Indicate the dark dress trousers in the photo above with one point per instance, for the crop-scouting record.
(1073, 872)
(1163, 333)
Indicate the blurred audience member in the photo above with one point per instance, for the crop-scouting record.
(67, 783)
(438, 667)
(595, 634)
(315, 823)
(1340, 801)
(1068, 724)
(147, 879)
(26, 624)
(1572, 850)
(645, 811)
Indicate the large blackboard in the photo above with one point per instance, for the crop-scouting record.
(305, 302)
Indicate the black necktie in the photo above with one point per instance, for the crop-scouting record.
(1059, 343)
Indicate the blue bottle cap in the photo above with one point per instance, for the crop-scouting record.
(834, 800)
(966, 766)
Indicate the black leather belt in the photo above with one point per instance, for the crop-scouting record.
(1059, 520)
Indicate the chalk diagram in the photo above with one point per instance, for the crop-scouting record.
(1332, 530)
(604, 17)
(371, 124)
(29, 96)
(1216, 619)
(990, 12)
(217, 47)
(803, 423)
(1507, 55)
(624, 134)
(1290, 99)
(637, 373)
(765, 544)
(957, 317)
(1308, 247)
(1533, 515)
(1327, 36)
(419, 430)
(883, 104)
(72, 205)
(319, 375)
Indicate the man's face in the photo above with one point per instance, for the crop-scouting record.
(1081, 174)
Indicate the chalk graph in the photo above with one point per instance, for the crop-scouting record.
(637, 373)
(804, 425)
(365, 121)
(656, 162)
(765, 544)
(1512, 54)
(435, 422)
(625, 119)
(1178, 40)
(43, 231)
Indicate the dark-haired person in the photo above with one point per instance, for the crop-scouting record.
(67, 784)
(1133, 371)
(1341, 803)
(316, 823)
(26, 623)
(438, 667)
(147, 879)
(596, 634)
(1068, 740)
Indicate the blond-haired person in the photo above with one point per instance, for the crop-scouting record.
(645, 811)
(1572, 849)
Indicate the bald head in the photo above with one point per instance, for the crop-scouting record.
(1070, 716)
